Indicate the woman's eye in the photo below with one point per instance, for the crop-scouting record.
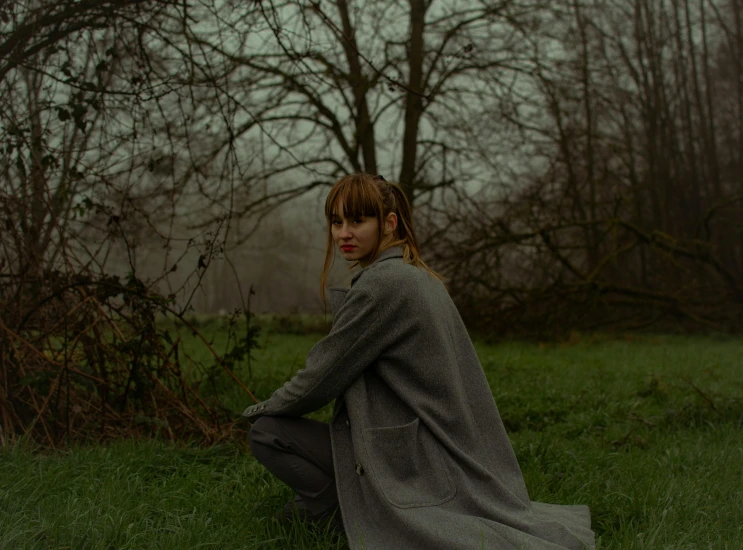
(358, 220)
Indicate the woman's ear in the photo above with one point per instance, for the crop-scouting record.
(390, 223)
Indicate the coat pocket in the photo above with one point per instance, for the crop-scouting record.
(407, 465)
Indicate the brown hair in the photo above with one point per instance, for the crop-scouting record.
(372, 196)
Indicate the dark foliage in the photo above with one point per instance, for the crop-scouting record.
(84, 358)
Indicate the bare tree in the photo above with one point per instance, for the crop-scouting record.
(632, 215)
(384, 87)
(99, 102)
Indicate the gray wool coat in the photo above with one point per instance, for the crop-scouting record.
(422, 460)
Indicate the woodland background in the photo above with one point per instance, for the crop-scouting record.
(573, 165)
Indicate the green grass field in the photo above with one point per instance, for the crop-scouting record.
(646, 431)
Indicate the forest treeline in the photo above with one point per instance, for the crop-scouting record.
(572, 165)
(634, 216)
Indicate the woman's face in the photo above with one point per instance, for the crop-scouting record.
(356, 238)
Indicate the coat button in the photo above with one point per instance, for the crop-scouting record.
(348, 423)
(359, 469)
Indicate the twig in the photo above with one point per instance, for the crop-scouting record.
(643, 420)
(706, 397)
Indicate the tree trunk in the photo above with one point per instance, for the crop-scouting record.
(413, 99)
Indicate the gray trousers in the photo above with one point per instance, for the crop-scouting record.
(298, 452)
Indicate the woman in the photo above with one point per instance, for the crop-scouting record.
(415, 455)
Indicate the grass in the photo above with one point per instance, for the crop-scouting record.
(143, 495)
(646, 431)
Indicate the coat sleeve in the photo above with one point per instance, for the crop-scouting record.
(357, 338)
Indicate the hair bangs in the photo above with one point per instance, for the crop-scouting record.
(355, 196)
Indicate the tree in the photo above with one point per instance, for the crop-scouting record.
(347, 86)
(99, 99)
(630, 217)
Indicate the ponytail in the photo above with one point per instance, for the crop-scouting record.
(404, 232)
